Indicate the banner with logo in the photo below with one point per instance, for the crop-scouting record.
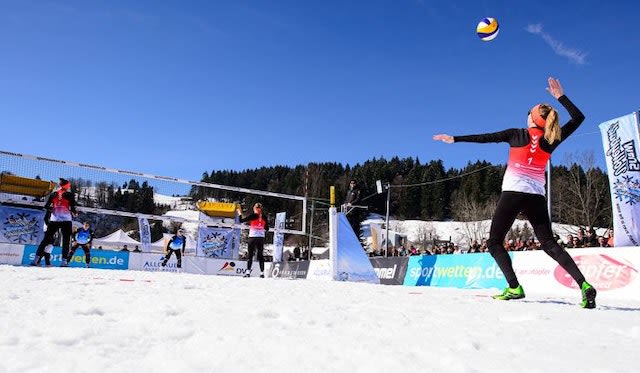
(278, 236)
(145, 234)
(11, 254)
(290, 270)
(621, 139)
(104, 259)
(466, 271)
(390, 271)
(320, 270)
(612, 271)
(215, 242)
(234, 267)
(21, 225)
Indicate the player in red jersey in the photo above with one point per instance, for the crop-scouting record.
(523, 187)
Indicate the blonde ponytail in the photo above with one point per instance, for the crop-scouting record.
(552, 131)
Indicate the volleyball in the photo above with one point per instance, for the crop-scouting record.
(488, 29)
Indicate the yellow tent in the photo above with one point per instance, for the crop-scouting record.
(218, 209)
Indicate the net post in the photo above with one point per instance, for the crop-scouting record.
(333, 234)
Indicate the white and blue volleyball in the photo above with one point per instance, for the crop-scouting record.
(488, 29)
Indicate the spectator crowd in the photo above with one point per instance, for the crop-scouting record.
(583, 238)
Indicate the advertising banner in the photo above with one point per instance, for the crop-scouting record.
(11, 254)
(390, 271)
(104, 259)
(612, 271)
(21, 225)
(466, 271)
(290, 270)
(620, 140)
(215, 242)
(320, 270)
(234, 267)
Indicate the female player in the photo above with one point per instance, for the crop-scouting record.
(523, 187)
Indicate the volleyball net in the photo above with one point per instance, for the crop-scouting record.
(112, 199)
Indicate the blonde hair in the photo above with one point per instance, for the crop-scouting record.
(552, 131)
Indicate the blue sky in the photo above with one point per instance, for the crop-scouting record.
(181, 87)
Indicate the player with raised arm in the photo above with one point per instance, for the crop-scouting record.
(523, 187)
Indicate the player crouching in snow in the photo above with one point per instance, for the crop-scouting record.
(176, 245)
(83, 238)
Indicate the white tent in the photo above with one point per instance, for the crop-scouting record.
(116, 239)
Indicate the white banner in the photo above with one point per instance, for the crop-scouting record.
(278, 236)
(145, 234)
(320, 270)
(621, 139)
(11, 254)
(612, 271)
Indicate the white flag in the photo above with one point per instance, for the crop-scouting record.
(278, 237)
(145, 234)
(621, 140)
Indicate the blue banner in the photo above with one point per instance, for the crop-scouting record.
(21, 225)
(104, 259)
(215, 242)
(352, 262)
(465, 271)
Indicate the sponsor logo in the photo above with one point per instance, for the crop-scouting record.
(624, 157)
(99, 259)
(457, 271)
(385, 273)
(228, 267)
(231, 268)
(9, 254)
(156, 265)
(601, 271)
(293, 271)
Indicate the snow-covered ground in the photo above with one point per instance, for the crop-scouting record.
(88, 320)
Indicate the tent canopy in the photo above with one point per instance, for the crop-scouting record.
(117, 238)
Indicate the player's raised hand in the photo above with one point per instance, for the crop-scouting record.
(444, 138)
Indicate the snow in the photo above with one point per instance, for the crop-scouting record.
(79, 320)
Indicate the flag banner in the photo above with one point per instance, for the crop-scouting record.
(21, 225)
(620, 139)
(352, 263)
(215, 242)
(278, 236)
(145, 234)
(237, 236)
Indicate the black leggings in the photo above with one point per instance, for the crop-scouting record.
(52, 228)
(256, 244)
(534, 206)
(87, 252)
(178, 257)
